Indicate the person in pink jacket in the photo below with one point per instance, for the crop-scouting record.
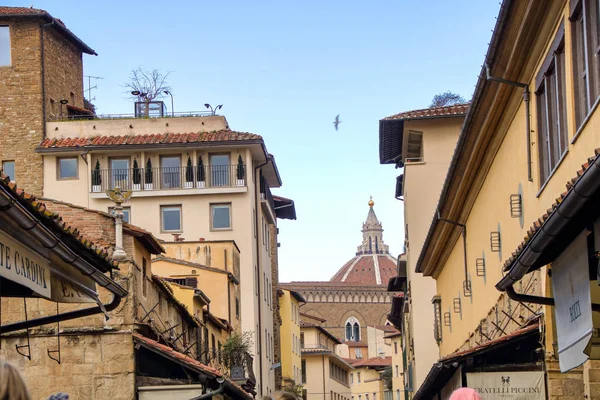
(465, 394)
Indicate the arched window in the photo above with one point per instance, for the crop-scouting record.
(352, 330)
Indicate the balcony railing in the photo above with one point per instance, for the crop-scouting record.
(265, 193)
(84, 117)
(166, 178)
(241, 372)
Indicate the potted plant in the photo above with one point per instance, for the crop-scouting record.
(148, 179)
(189, 174)
(234, 354)
(96, 178)
(241, 171)
(200, 174)
(137, 176)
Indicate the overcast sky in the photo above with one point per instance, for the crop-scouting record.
(284, 70)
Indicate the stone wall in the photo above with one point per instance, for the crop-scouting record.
(21, 115)
(22, 125)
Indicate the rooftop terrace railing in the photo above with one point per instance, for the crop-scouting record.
(82, 117)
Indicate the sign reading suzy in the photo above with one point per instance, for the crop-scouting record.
(511, 385)
(21, 265)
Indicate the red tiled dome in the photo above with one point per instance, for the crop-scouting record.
(367, 269)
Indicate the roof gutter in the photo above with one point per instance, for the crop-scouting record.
(42, 234)
(481, 84)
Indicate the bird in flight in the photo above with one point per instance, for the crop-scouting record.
(337, 121)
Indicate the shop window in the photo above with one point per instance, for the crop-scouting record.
(4, 46)
(584, 29)
(551, 109)
(220, 216)
(8, 169)
(171, 218)
(67, 168)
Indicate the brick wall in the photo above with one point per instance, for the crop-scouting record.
(21, 98)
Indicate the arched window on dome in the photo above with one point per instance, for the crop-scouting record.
(352, 330)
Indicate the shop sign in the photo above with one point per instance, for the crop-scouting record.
(573, 310)
(511, 385)
(22, 265)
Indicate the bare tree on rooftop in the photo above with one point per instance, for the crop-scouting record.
(446, 99)
(150, 84)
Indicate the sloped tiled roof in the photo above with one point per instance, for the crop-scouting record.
(537, 225)
(54, 221)
(189, 361)
(151, 139)
(374, 362)
(356, 344)
(446, 111)
(21, 11)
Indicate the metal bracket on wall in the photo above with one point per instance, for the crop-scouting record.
(495, 241)
(28, 355)
(58, 340)
(480, 266)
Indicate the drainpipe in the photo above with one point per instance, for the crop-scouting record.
(526, 98)
(464, 235)
(323, 364)
(257, 201)
(210, 395)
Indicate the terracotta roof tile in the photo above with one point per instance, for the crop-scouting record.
(54, 221)
(169, 352)
(458, 110)
(361, 270)
(536, 226)
(374, 362)
(151, 139)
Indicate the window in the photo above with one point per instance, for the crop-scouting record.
(397, 394)
(352, 379)
(67, 168)
(550, 96)
(395, 347)
(170, 172)
(414, 146)
(72, 98)
(119, 173)
(237, 308)
(4, 46)
(126, 213)
(584, 24)
(303, 365)
(8, 169)
(397, 372)
(144, 276)
(171, 218)
(214, 347)
(358, 377)
(358, 353)
(301, 340)
(219, 169)
(256, 280)
(220, 216)
(52, 106)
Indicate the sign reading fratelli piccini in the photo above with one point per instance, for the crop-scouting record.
(22, 265)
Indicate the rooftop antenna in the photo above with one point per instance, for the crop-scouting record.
(90, 87)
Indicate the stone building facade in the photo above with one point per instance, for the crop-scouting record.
(45, 67)
(150, 339)
(356, 296)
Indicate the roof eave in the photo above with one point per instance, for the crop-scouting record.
(92, 148)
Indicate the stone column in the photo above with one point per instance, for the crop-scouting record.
(118, 197)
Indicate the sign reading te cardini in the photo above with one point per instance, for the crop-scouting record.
(22, 265)
(512, 385)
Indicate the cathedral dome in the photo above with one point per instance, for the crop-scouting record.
(373, 265)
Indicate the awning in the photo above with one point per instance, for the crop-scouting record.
(231, 388)
(398, 283)
(284, 208)
(497, 352)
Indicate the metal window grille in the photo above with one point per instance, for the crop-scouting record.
(495, 242)
(516, 205)
(448, 319)
(467, 288)
(437, 315)
(457, 305)
(480, 266)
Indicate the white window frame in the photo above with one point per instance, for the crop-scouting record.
(162, 221)
(9, 64)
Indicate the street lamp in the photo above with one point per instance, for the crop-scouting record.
(62, 103)
(213, 110)
(172, 109)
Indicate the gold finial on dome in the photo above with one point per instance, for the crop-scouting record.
(371, 202)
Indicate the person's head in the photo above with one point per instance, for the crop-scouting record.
(281, 396)
(12, 385)
(465, 394)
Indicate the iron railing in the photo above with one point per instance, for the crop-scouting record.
(180, 114)
(164, 178)
(265, 193)
(241, 371)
